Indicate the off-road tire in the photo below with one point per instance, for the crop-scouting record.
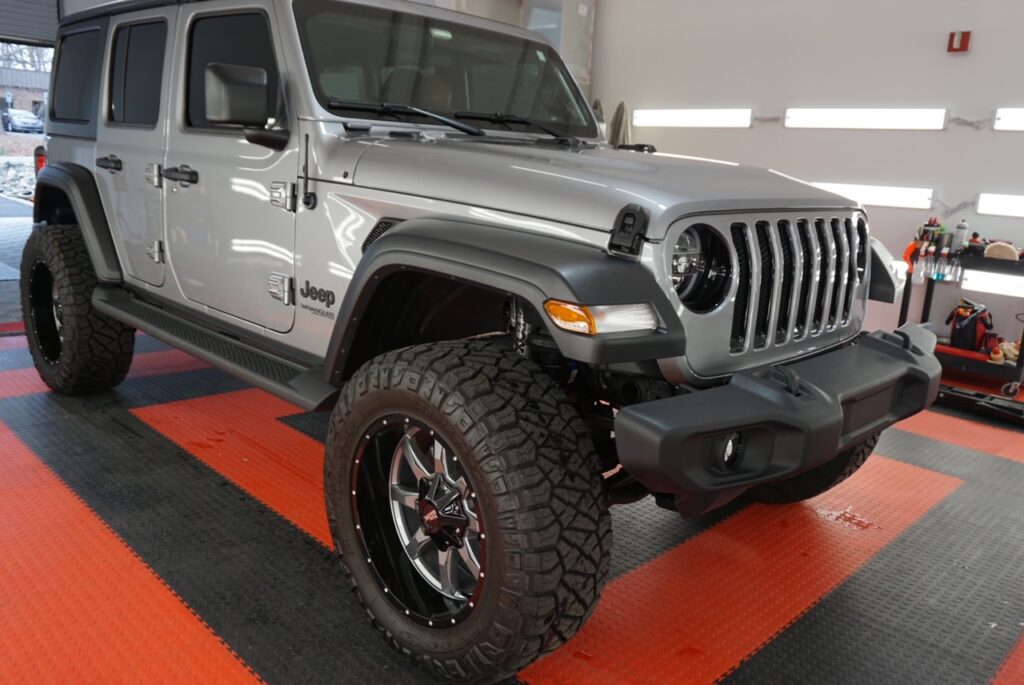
(95, 351)
(818, 480)
(540, 496)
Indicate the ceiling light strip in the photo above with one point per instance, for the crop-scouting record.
(1009, 119)
(693, 118)
(876, 119)
(882, 196)
(993, 283)
(1001, 205)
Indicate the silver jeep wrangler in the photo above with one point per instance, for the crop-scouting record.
(409, 218)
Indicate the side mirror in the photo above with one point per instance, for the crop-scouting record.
(236, 95)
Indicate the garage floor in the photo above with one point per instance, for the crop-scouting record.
(174, 531)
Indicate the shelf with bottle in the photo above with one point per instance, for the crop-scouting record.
(938, 255)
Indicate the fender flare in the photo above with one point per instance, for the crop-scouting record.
(533, 267)
(77, 184)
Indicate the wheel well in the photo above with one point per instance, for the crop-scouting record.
(410, 308)
(52, 206)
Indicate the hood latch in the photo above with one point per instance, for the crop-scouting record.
(629, 232)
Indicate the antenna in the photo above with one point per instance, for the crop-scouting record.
(308, 198)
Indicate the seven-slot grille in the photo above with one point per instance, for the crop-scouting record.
(796, 279)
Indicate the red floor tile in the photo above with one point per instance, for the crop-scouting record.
(77, 605)
(740, 583)
(238, 435)
(1001, 442)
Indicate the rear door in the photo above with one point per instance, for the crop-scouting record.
(132, 136)
(231, 241)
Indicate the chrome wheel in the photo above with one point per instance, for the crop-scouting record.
(424, 537)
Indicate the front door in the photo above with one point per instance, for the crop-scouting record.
(131, 136)
(231, 248)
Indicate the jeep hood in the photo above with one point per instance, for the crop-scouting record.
(586, 187)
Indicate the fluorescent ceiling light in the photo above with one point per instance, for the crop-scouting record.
(1001, 205)
(694, 118)
(993, 283)
(887, 119)
(1009, 119)
(882, 196)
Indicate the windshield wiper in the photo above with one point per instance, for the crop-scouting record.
(506, 119)
(396, 111)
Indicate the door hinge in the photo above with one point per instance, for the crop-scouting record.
(156, 251)
(282, 194)
(154, 176)
(282, 288)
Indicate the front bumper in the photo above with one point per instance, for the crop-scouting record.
(790, 419)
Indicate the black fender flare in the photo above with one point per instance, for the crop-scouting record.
(78, 185)
(531, 266)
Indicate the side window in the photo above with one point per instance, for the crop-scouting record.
(137, 73)
(74, 86)
(242, 39)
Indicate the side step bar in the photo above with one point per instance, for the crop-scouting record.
(304, 386)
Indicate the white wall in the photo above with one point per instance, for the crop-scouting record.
(774, 54)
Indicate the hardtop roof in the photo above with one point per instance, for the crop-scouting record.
(72, 11)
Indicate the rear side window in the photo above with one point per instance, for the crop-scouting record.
(74, 84)
(240, 39)
(137, 73)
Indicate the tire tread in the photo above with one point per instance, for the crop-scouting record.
(545, 475)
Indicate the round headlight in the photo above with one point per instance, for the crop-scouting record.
(701, 268)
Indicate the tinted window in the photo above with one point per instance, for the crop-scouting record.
(74, 89)
(372, 54)
(240, 39)
(138, 67)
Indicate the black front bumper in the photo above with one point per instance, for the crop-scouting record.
(789, 419)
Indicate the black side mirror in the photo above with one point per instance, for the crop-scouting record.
(236, 95)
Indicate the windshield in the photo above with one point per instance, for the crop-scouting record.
(371, 55)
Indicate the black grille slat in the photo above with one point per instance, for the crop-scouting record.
(862, 249)
(767, 279)
(742, 303)
(853, 237)
(786, 268)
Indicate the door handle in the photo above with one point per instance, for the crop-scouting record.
(181, 174)
(111, 163)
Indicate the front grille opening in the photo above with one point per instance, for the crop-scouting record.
(853, 235)
(839, 273)
(803, 229)
(789, 276)
(738, 338)
(862, 249)
(767, 280)
(823, 270)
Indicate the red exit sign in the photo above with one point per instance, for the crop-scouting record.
(959, 41)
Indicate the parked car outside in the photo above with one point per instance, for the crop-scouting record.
(22, 121)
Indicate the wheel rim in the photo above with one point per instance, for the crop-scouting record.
(46, 312)
(416, 515)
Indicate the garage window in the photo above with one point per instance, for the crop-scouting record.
(137, 73)
(74, 86)
(240, 39)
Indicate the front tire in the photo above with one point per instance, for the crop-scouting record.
(76, 350)
(818, 480)
(467, 444)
